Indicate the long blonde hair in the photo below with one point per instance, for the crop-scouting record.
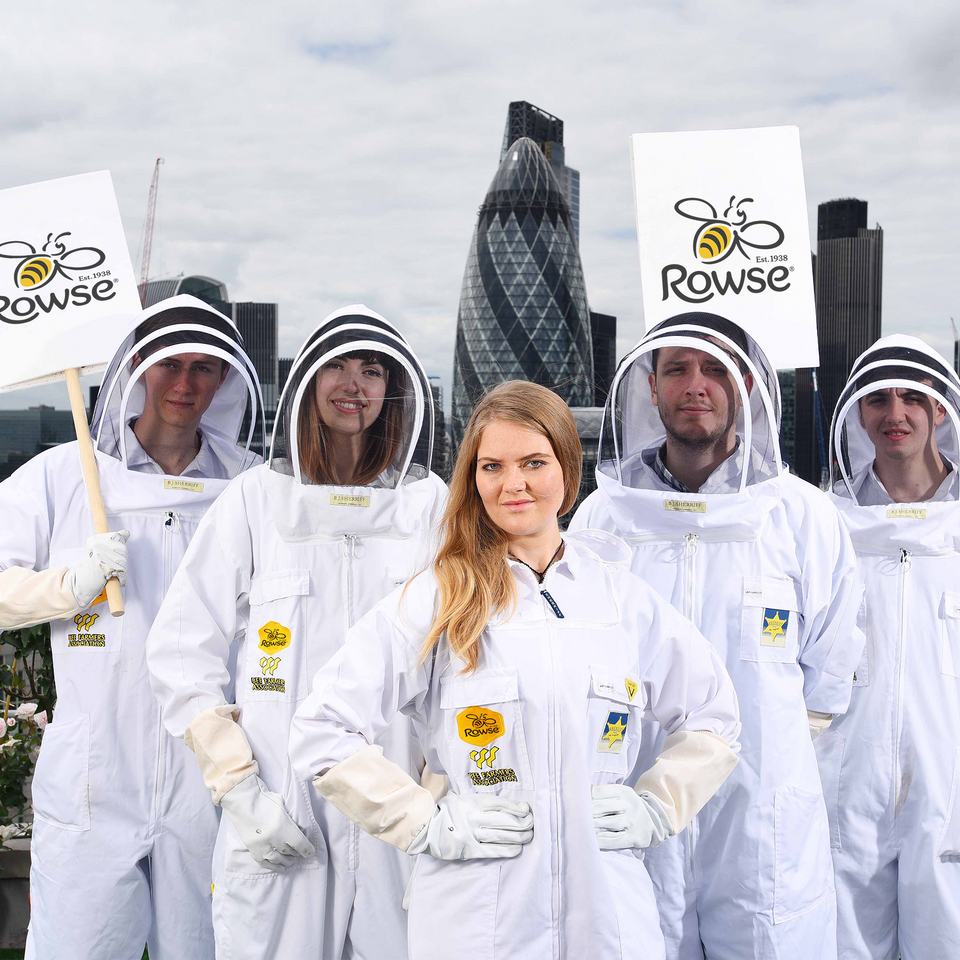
(474, 579)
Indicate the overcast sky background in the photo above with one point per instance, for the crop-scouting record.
(317, 156)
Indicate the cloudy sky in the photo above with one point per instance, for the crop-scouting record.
(316, 156)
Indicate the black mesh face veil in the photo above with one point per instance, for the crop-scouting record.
(632, 423)
(406, 417)
(897, 362)
(172, 327)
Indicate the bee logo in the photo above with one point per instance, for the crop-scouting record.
(274, 637)
(85, 621)
(718, 237)
(36, 268)
(481, 757)
(269, 665)
(479, 726)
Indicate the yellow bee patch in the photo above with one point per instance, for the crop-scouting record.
(273, 637)
(480, 725)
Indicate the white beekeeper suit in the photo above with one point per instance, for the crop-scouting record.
(761, 564)
(557, 702)
(890, 766)
(124, 829)
(285, 566)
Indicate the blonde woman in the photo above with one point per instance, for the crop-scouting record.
(526, 662)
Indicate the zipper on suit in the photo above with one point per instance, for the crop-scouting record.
(904, 569)
(348, 552)
(690, 543)
(171, 525)
(557, 899)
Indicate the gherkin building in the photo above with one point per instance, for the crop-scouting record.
(523, 304)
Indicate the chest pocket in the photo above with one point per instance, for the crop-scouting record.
(91, 632)
(483, 733)
(950, 634)
(275, 656)
(614, 710)
(769, 627)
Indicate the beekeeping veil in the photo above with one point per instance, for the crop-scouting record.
(632, 429)
(181, 324)
(897, 362)
(407, 414)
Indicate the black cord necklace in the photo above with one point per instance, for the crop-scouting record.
(537, 573)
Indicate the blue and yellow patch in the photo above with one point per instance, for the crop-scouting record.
(613, 733)
(773, 629)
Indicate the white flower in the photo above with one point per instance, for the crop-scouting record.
(25, 711)
(10, 830)
(41, 719)
(11, 721)
(8, 744)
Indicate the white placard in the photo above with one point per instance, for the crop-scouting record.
(722, 227)
(67, 290)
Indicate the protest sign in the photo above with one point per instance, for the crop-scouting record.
(67, 295)
(722, 228)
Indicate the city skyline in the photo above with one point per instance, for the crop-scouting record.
(319, 157)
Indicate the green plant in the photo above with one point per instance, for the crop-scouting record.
(27, 696)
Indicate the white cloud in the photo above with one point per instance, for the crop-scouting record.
(316, 157)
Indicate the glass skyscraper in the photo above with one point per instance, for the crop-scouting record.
(523, 304)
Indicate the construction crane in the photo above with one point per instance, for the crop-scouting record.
(148, 232)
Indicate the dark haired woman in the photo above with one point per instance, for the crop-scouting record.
(526, 663)
(339, 516)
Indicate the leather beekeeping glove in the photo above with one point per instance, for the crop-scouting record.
(106, 557)
(475, 827)
(623, 818)
(387, 803)
(264, 825)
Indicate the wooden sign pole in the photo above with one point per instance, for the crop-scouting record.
(91, 478)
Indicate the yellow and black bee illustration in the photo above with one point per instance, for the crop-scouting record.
(718, 236)
(36, 268)
(481, 720)
(275, 635)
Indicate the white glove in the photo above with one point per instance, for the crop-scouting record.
(475, 826)
(265, 827)
(623, 818)
(106, 558)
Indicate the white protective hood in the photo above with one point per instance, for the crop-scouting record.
(897, 361)
(632, 425)
(190, 326)
(356, 329)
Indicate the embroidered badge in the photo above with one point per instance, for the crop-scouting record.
(774, 627)
(613, 731)
(479, 726)
(273, 637)
(83, 637)
(631, 686)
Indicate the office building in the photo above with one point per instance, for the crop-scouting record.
(440, 462)
(848, 283)
(603, 335)
(788, 413)
(25, 433)
(546, 130)
(523, 303)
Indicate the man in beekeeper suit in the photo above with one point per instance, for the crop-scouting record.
(890, 765)
(690, 475)
(124, 828)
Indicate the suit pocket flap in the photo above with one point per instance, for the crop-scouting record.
(276, 586)
(496, 686)
(606, 685)
(770, 592)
